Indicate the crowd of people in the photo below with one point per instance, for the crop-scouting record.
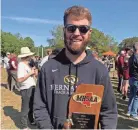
(127, 68)
(44, 92)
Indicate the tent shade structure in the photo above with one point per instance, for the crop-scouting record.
(109, 53)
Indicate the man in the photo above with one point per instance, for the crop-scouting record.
(54, 53)
(74, 65)
(120, 66)
(49, 52)
(133, 82)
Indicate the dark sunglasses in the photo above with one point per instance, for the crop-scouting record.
(82, 28)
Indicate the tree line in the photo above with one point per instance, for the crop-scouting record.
(99, 42)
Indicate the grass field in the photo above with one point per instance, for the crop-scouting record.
(11, 105)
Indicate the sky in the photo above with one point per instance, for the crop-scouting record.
(36, 18)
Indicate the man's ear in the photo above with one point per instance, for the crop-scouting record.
(90, 31)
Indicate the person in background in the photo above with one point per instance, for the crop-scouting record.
(6, 61)
(37, 61)
(133, 82)
(54, 53)
(116, 61)
(120, 66)
(125, 83)
(73, 62)
(13, 63)
(7, 67)
(45, 59)
(26, 75)
(95, 55)
(106, 62)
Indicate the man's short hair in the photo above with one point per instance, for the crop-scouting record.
(78, 13)
(49, 50)
(136, 46)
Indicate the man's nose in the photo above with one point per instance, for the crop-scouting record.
(77, 32)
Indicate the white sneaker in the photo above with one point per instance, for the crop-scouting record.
(128, 114)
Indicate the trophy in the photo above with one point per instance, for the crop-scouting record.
(84, 107)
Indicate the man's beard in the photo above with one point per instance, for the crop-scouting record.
(76, 51)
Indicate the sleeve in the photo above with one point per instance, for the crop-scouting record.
(41, 113)
(108, 115)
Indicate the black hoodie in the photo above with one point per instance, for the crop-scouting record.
(133, 66)
(54, 89)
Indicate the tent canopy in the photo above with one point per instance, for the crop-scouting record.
(109, 53)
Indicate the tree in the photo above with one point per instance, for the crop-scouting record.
(9, 43)
(29, 43)
(101, 42)
(12, 43)
(57, 40)
(128, 42)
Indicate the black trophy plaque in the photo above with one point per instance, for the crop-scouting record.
(83, 121)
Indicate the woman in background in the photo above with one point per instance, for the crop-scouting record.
(125, 74)
(27, 82)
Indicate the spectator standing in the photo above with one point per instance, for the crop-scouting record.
(27, 82)
(133, 82)
(7, 67)
(49, 52)
(120, 66)
(125, 74)
(13, 63)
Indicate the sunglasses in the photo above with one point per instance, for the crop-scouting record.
(82, 28)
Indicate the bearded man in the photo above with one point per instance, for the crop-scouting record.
(74, 65)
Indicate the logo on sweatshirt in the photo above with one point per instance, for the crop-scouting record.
(54, 70)
(86, 99)
(70, 79)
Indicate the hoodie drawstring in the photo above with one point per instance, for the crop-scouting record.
(76, 78)
(76, 75)
(74, 85)
(69, 79)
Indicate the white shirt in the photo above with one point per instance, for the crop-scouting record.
(22, 71)
(45, 59)
(6, 62)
